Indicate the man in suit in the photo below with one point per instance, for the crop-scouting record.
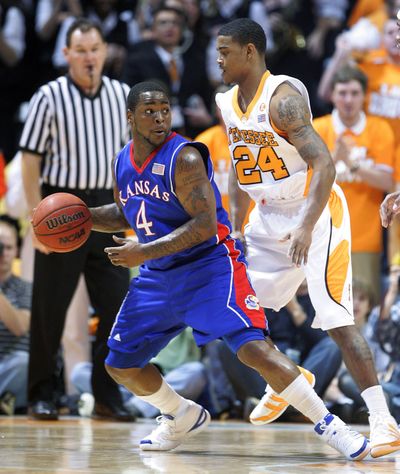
(182, 71)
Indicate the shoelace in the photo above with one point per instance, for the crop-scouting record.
(344, 437)
(165, 426)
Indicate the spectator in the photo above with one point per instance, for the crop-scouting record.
(69, 149)
(304, 32)
(50, 15)
(15, 304)
(362, 147)
(183, 73)
(383, 73)
(120, 30)
(179, 361)
(12, 48)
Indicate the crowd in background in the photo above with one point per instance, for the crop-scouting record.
(309, 39)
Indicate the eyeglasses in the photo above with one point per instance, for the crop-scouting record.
(168, 23)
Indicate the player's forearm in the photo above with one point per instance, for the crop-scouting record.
(108, 218)
(320, 189)
(239, 202)
(194, 232)
(31, 179)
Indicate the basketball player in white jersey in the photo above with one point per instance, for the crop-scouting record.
(300, 225)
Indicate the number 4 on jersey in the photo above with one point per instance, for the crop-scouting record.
(142, 222)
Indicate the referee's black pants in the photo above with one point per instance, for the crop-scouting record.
(55, 279)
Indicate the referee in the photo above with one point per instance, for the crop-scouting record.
(75, 125)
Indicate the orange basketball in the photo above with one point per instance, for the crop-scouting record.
(62, 222)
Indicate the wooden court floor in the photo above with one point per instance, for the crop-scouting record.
(78, 446)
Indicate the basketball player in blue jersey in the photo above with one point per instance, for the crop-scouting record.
(300, 226)
(192, 273)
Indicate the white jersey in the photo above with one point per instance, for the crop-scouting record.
(267, 166)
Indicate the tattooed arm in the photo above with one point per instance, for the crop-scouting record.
(196, 195)
(109, 218)
(290, 113)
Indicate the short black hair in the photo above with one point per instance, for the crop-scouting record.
(164, 7)
(349, 73)
(14, 224)
(84, 25)
(245, 31)
(140, 88)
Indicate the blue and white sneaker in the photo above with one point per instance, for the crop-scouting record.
(173, 430)
(353, 445)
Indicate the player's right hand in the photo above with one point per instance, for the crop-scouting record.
(389, 208)
(39, 246)
(35, 242)
(300, 242)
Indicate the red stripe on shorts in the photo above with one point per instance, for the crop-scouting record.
(222, 231)
(243, 292)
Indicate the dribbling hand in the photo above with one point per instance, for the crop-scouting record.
(127, 254)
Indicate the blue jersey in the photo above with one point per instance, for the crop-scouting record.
(149, 202)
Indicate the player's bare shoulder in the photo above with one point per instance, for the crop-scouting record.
(288, 108)
(190, 166)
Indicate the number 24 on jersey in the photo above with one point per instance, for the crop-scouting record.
(249, 168)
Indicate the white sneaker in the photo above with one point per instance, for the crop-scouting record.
(385, 435)
(173, 430)
(353, 445)
(271, 406)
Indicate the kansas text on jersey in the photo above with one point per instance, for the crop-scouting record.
(149, 202)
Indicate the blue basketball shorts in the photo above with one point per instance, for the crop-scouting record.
(212, 295)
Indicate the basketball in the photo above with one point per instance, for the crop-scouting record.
(62, 222)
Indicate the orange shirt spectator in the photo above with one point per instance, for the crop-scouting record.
(372, 142)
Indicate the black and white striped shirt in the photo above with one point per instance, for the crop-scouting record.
(76, 135)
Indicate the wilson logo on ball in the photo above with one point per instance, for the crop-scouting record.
(64, 219)
(62, 222)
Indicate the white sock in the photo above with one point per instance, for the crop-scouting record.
(165, 399)
(375, 400)
(302, 396)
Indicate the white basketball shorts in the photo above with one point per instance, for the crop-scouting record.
(328, 271)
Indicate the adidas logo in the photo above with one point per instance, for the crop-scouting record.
(117, 337)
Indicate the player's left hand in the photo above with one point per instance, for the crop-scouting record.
(128, 254)
(300, 241)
